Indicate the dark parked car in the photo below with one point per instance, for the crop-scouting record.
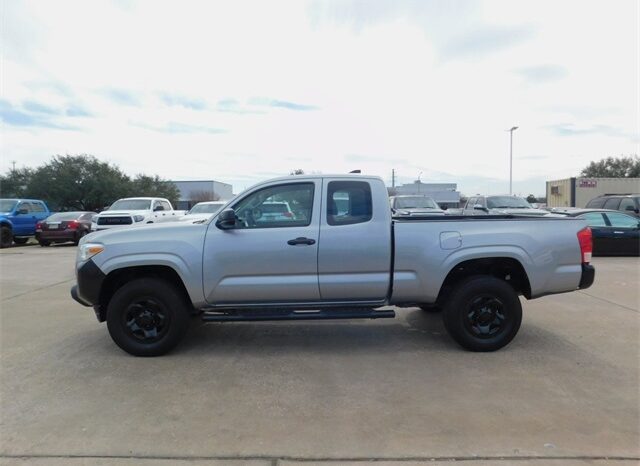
(627, 203)
(614, 233)
(63, 227)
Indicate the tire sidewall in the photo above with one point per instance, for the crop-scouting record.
(456, 309)
(6, 237)
(169, 297)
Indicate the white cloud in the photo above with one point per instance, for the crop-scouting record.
(238, 91)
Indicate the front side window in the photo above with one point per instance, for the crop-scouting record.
(594, 219)
(348, 202)
(288, 205)
(166, 205)
(622, 220)
(24, 205)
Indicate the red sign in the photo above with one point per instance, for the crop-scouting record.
(588, 183)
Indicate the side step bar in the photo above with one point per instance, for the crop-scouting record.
(252, 316)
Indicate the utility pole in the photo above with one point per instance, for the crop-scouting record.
(511, 158)
(13, 162)
(393, 178)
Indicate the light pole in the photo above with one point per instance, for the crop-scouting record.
(511, 158)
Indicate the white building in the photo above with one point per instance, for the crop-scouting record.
(576, 192)
(192, 192)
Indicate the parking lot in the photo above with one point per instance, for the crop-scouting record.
(566, 391)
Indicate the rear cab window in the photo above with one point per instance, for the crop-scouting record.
(612, 203)
(348, 202)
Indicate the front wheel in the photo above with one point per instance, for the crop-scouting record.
(44, 243)
(483, 313)
(147, 317)
(6, 237)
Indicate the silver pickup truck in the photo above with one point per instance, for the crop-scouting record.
(337, 254)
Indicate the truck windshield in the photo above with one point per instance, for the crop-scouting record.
(206, 208)
(131, 204)
(507, 202)
(7, 205)
(417, 202)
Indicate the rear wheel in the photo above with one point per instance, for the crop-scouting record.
(147, 317)
(44, 242)
(483, 313)
(20, 240)
(6, 237)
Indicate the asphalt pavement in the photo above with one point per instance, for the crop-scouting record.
(391, 391)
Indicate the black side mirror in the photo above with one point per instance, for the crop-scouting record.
(158, 208)
(480, 207)
(226, 219)
(23, 211)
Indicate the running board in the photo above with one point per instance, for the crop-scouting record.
(252, 316)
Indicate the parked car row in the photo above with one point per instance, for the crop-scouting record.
(614, 232)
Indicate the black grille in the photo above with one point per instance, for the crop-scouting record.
(114, 221)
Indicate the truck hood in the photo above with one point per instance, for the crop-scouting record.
(419, 211)
(114, 213)
(528, 212)
(141, 232)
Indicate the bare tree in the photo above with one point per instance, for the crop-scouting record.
(297, 171)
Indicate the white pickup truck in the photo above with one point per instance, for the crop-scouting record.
(136, 210)
(337, 254)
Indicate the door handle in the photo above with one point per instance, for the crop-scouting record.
(301, 240)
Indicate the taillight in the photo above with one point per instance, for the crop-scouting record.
(586, 244)
(39, 226)
(73, 225)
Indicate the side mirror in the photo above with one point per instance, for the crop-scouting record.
(226, 219)
(480, 207)
(158, 208)
(23, 211)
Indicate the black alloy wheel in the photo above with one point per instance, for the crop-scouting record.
(482, 313)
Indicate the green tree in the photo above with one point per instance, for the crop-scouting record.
(531, 199)
(613, 167)
(154, 186)
(78, 182)
(15, 182)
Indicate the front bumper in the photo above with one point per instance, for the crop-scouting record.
(87, 292)
(588, 276)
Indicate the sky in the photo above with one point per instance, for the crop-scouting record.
(242, 91)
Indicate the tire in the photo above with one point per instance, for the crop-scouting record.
(44, 242)
(79, 237)
(20, 240)
(431, 308)
(147, 317)
(6, 237)
(482, 313)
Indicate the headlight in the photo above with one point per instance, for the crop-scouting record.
(88, 250)
(138, 218)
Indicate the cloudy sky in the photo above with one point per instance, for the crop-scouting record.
(241, 91)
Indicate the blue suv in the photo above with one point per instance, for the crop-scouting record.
(18, 219)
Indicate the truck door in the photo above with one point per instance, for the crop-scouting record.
(24, 223)
(266, 258)
(354, 260)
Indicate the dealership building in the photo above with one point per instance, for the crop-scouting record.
(576, 192)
